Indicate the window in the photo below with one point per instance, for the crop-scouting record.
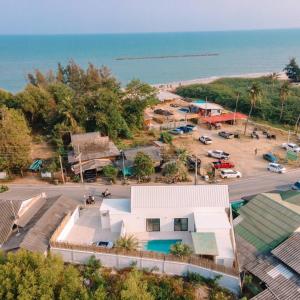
(153, 224)
(181, 224)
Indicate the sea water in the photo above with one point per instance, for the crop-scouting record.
(153, 57)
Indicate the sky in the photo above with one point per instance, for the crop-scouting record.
(125, 16)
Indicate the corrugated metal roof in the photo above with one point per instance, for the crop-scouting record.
(205, 243)
(289, 252)
(179, 196)
(267, 222)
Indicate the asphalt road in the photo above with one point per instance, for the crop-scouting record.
(237, 188)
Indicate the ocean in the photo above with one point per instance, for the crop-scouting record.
(151, 57)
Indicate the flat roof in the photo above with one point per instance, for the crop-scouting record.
(207, 105)
(205, 243)
(179, 196)
(211, 220)
(116, 206)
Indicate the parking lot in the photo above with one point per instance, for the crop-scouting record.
(242, 150)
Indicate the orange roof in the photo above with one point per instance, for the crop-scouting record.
(224, 118)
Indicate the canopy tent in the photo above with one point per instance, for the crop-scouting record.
(224, 118)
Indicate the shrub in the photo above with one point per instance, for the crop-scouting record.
(3, 188)
(175, 171)
(143, 166)
(110, 173)
(180, 249)
(129, 243)
(166, 138)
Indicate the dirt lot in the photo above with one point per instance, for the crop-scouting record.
(242, 151)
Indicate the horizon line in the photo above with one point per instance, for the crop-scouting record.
(150, 32)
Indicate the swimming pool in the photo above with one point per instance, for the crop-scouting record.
(199, 101)
(162, 246)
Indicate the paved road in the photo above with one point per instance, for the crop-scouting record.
(237, 189)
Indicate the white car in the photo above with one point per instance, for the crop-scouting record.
(218, 154)
(277, 168)
(291, 147)
(104, 244)
(205, 140)
(230, 174)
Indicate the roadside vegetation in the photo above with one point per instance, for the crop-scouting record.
(71, 99)
(26, 275)
(266, 98)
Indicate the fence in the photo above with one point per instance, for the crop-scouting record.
(169, 264)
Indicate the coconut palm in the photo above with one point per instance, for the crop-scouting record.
(254, 93)
(283, 94)
(127, 242)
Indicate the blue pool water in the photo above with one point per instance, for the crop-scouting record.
(162, 246)
(199, 101)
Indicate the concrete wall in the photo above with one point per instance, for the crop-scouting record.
(67, 228)
(229, 282)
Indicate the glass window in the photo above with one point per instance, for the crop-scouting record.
(181, 224)
(153, 224)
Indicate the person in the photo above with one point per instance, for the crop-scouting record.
(255, 151)
(106, 193)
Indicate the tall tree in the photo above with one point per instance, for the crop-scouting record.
(292, 70)
(283, 95)
(254, 93)
(143, 166)
(14, 140)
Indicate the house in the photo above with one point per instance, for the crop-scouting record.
(195, 215)
(267, 238)
(34, 223)
(206, 109)
(126, 161)
(95, 151)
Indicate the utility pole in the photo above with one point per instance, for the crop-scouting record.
(196, 170)
(62, 170)
(80, 165)
(236, 104)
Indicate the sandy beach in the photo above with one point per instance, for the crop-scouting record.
(173, 85)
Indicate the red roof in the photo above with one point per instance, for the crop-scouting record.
(224, 118)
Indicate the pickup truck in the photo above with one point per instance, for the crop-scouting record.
(291, 147)
(226, 135)
(218, 154)
(221, 164)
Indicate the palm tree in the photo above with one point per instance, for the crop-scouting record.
(274, 76)
(283, 94)
(127, 242)
(254, 93)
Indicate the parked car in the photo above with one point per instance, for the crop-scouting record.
(218, 154)
(296, 186)
(176, 131)
(270, 157)
(185, 129)
(226, 135)
(163, 112)
(184, 110)
(276, 168)
(205, 140)
(104, 244)
(191, 163)
(221, 164)
(291, 147)
(214, 125)
(230, 174)
(193, 127)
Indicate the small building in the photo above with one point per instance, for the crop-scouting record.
(126, 161)
(163, 96)
(206, 109)
(268, 243)
(34, 223)
(95, 150)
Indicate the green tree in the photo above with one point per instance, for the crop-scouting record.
(180, 249)
(127, 242)
(292, 70)
(143, 166)
(283, 95)
(26, 275)
(166, 138)
(15, 140)
(254, 93)
(110, 173)
(134, 288)
(175, 171)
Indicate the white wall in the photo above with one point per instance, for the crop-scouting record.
(229, 282)
(67, 228)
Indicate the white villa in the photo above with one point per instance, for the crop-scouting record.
(161, 215)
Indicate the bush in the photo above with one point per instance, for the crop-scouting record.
(180, 249)
(175, 171)
(166, 138)
(110, 173)
(3, 188)
(129, 243)
(143, 166)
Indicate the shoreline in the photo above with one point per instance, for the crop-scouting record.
(170, 86)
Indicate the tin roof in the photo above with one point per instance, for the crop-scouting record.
(179, 196)
(205, 243)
